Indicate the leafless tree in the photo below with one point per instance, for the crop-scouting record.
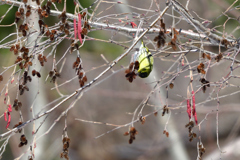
(66, 88)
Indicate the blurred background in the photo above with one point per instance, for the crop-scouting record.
(113, 99)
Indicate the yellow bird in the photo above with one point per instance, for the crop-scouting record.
(145, 59)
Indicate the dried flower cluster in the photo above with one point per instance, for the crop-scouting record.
(166, 133)
(23, 141)
(165, 109)
(219, 57)
(64, 27)
(22, 86)
(201, 151)
(142, 119)
(17, 104)
(44, 11)
(130, 72)
(23, 28)
(74, 46)
(161, 38)
(34, 72)
(173, 41)
(63, 17)
(226, 43)
(191, 134)
(86, 27)
(54, 74)
(204, 55)
(16, 125)
(171, 85)
(205, 84)
(66, 143)
(19, 15)
(42, 59)
(79, 71)
(133, 132)
(200, 68)
(24, 61)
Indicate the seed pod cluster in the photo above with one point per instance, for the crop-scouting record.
(65, 28)
(52, 35)
(165, 109)
(15, 49)
(23, 28)
(205, 84)
(17, 104)
(225, 42)
(63, 17)
(219, 57)
(161, 38)
(173, 41)
(26, 78)
(28, 13)
(171, 85)
(44, 11)
(204, 55)
(74, 46)
(42, 26)
(82, 80)
(54, 74)
(22, 88)
(19, 15)
(191, 134)
(142, 119)
(133, 132)
(201, 150)
(34, 72)
(80, 72)
(66, 143)
(166, 133)
(16, 125)
(85, 28)
(23, 141)
(42, 59)
(200, 68)
(24, 57)
(19, 59)
(130, 72)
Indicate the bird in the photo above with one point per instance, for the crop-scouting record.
(145, 59)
